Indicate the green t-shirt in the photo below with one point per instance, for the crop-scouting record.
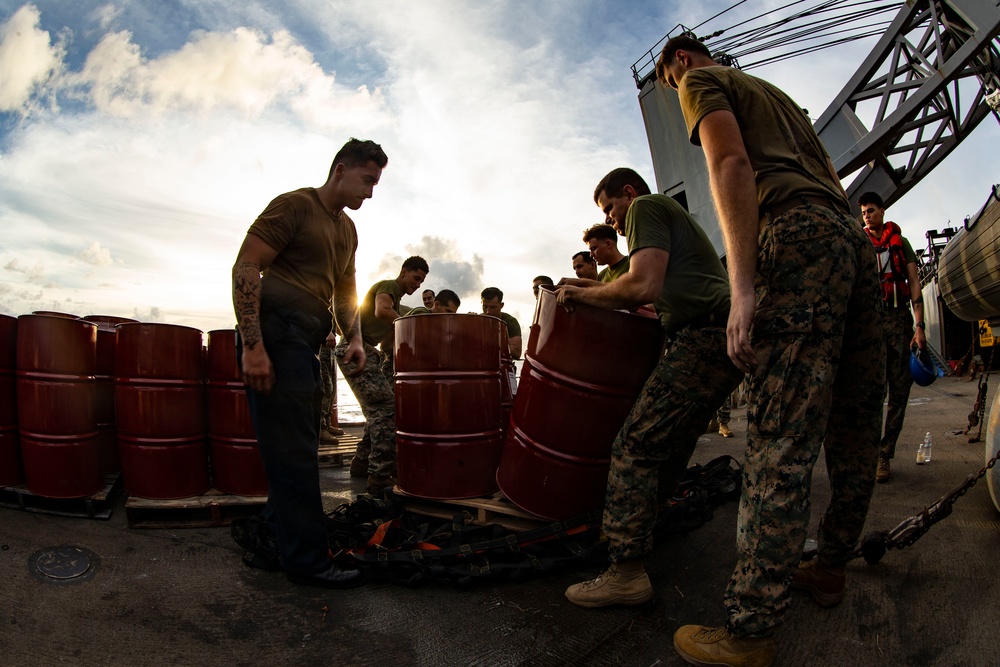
(419, 310)
(787, 156)
(612, 273)
(513, 326)
(695, 284)
(315, 248)
(373, 330)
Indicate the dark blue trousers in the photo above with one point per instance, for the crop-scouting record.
(286, 421)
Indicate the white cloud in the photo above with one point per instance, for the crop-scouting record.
(27, 58)
(33, 273)
(96, 255)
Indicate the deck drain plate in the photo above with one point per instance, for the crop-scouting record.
(63, 565)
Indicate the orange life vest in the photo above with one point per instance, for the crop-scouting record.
(891, 264)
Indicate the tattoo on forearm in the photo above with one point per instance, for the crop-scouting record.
(246, 301)
(346, 312)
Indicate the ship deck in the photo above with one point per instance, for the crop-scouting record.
(180, 596)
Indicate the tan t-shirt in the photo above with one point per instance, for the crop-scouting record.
(787, 156)
(315, 247)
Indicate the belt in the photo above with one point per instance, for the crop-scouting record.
(710, 320)
(783, 207)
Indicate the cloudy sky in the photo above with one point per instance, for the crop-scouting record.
(140, 138)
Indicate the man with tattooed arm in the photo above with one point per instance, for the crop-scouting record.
(297, 259)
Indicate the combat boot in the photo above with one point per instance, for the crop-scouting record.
(622, 583)
(378, 484)
(359, 466)
(699, 645)
(724, 431)
(882, 473)
(825, 583)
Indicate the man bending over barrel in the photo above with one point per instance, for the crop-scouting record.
(674, 266)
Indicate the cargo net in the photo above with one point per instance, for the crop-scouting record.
(391, 544)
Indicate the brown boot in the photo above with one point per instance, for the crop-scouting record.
(724, 431)
(359, 466)
(824, 582)
(378, 484)
(623, 583)
(699, 645)
(882, 473)
(327, 438)
(713, 426)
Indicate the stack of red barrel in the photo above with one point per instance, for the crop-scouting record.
(57, 422)
(160, 407)
(236, 464)
(448, 404)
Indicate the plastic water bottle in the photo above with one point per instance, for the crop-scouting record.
(924, 450)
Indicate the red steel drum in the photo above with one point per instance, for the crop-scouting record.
(160, 410)
(11, 472)
(583, 371)
(55, 313)
(236, 464)
(56, 360)
(104, 379)
(448, 412)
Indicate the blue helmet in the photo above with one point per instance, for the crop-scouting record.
(922, 367)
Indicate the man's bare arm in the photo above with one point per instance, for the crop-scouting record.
(384, 309)
(345, 309)
(734, 191)
(641, 285)
(255, 255)
(917, 303)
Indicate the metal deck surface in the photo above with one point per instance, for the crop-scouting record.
(182, 596)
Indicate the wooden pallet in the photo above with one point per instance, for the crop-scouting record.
(211, 509)
(97, 506)
(495, 509)
(339, 455)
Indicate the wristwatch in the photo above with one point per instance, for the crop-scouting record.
(919, 324)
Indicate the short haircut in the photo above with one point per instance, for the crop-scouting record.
(446, 298)
(492, 293)
(428, 290)
(871, 198)
(416, 263)
(614, 183)
(682, 42)
(586, 257)
(543, 280)
(601, 232)
(358, 153)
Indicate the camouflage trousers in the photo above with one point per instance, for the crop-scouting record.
(818, 382)
(898, 335)
(328, 380)
(651, 452)
(376, 395)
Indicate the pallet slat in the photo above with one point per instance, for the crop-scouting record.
(211, 509)
(97, 506)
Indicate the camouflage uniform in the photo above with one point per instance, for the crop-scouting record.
(898, 334)
(819, 382)
(328, 381)
(725, 412)
(691, 380)
(376, 395)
